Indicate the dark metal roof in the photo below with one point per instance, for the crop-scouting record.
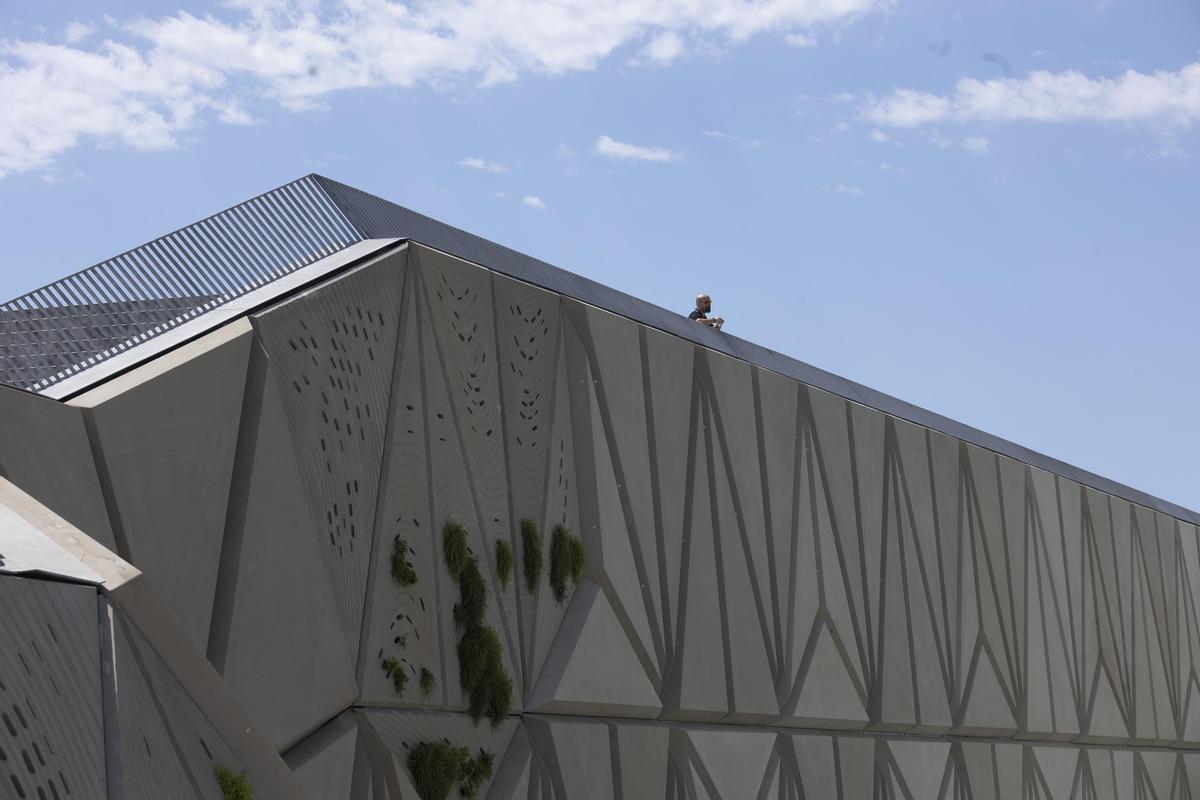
(308, 219)
(79, 321)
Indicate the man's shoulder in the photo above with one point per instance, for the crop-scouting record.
(697, 314)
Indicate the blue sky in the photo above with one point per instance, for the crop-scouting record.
(988, 209)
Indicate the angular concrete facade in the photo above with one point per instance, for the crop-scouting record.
(790, 589)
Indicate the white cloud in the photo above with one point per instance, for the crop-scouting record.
(473, 162)
(611, 148)
(1171, 98)
(77, 31)
(842, 188)
(975, 144)
(879, 136)
(533, 201)
(751, 144)
(800, 40)
(663, 48)
(155, 78)
(892, 169)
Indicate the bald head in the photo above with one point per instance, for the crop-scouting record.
(703, 302)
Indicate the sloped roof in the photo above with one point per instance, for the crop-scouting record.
(198, 269)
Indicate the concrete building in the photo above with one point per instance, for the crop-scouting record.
(238, 466)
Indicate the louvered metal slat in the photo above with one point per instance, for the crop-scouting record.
(61, 329)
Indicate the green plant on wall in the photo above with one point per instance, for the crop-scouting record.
(402, 569)
(426, 683)
(454, 548)
(504, 561)
(396, 672)
(481, 669)
(475, 773)
(566, 561)
(531, 553)
(437, 766)
(233, 784)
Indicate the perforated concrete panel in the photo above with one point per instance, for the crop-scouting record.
(51, 717)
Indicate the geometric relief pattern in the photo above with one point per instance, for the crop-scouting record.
(786, 594)
(776, 554)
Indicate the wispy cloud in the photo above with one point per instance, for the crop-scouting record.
(975, 144)
(1170, 98)
(473, 162)
(892, 169)
(800, 40)
(722, 136)
(879, 136)
(623, 151)
(843, 188)
(155, 78)
(533, 201)
(77, 31)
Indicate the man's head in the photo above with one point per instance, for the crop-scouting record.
(704, 303)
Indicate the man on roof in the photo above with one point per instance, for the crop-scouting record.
(700, 314)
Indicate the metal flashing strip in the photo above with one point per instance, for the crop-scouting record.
(69, 326)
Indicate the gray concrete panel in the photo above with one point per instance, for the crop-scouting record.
(403, 620)
(456, 297)
(697, 687)
(324, 761)
(592, 669)
(732, 761)
(562, 508)
(51, 718)
(397, 732)
(165, 435)
(572, 749)
(667, 366)
(332, 350)
(454, 498)
(284, 655)
(31, 427)
(168, 748)
(528, 342)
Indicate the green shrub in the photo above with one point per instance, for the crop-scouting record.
(472, 591)
(435, 768)
(395, 670)
(426, 683)
(504, 561)
(402, 568)
(481, 671)
(566, 561)
(475, 772)
(531, 552)
(480, 656)
(233, 784)
(455, 549)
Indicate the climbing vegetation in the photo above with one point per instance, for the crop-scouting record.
(396, 672)
(531, 552)
(402, 569)
(566, 561)
(504, 561)
(455, 550)
(426, 683)
(481, 669)
(234, 785)
(437, 766)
